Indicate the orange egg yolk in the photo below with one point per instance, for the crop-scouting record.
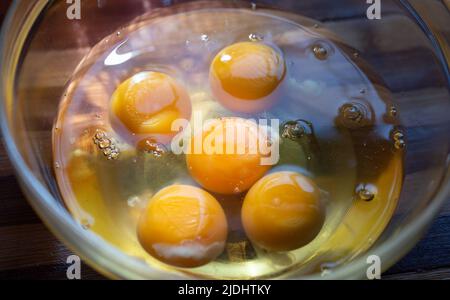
(244, 75)
(234, 164)
(283, 211)
(149, 102)
(183, 226)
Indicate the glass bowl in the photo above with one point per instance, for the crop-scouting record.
(408, 47)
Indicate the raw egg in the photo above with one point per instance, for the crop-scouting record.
(244, 76)
(283, 211)
(148, 103)
(231, 159)
(183, 226)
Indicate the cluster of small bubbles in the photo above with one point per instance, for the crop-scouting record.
(107, 145)
(204, 37)
(255, 37)
(399, 139)
(152, 147)
(99, 134)
(320, 52)
(366, 192)
(104, 144)
(354, 114)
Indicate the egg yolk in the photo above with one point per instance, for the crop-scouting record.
(283, 212)
(183, 226)
(244, 75)
(233, 164)
(149, 102)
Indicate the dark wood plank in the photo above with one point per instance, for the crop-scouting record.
(14, 210)
(4, 5)
(431, 252)
(29, 245)
(5, 166)
(436, 274)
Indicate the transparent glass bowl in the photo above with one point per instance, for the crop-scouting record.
(409, 47)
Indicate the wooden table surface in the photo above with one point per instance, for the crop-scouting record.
(29, 251)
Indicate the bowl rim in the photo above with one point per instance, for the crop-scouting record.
(113, 263)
